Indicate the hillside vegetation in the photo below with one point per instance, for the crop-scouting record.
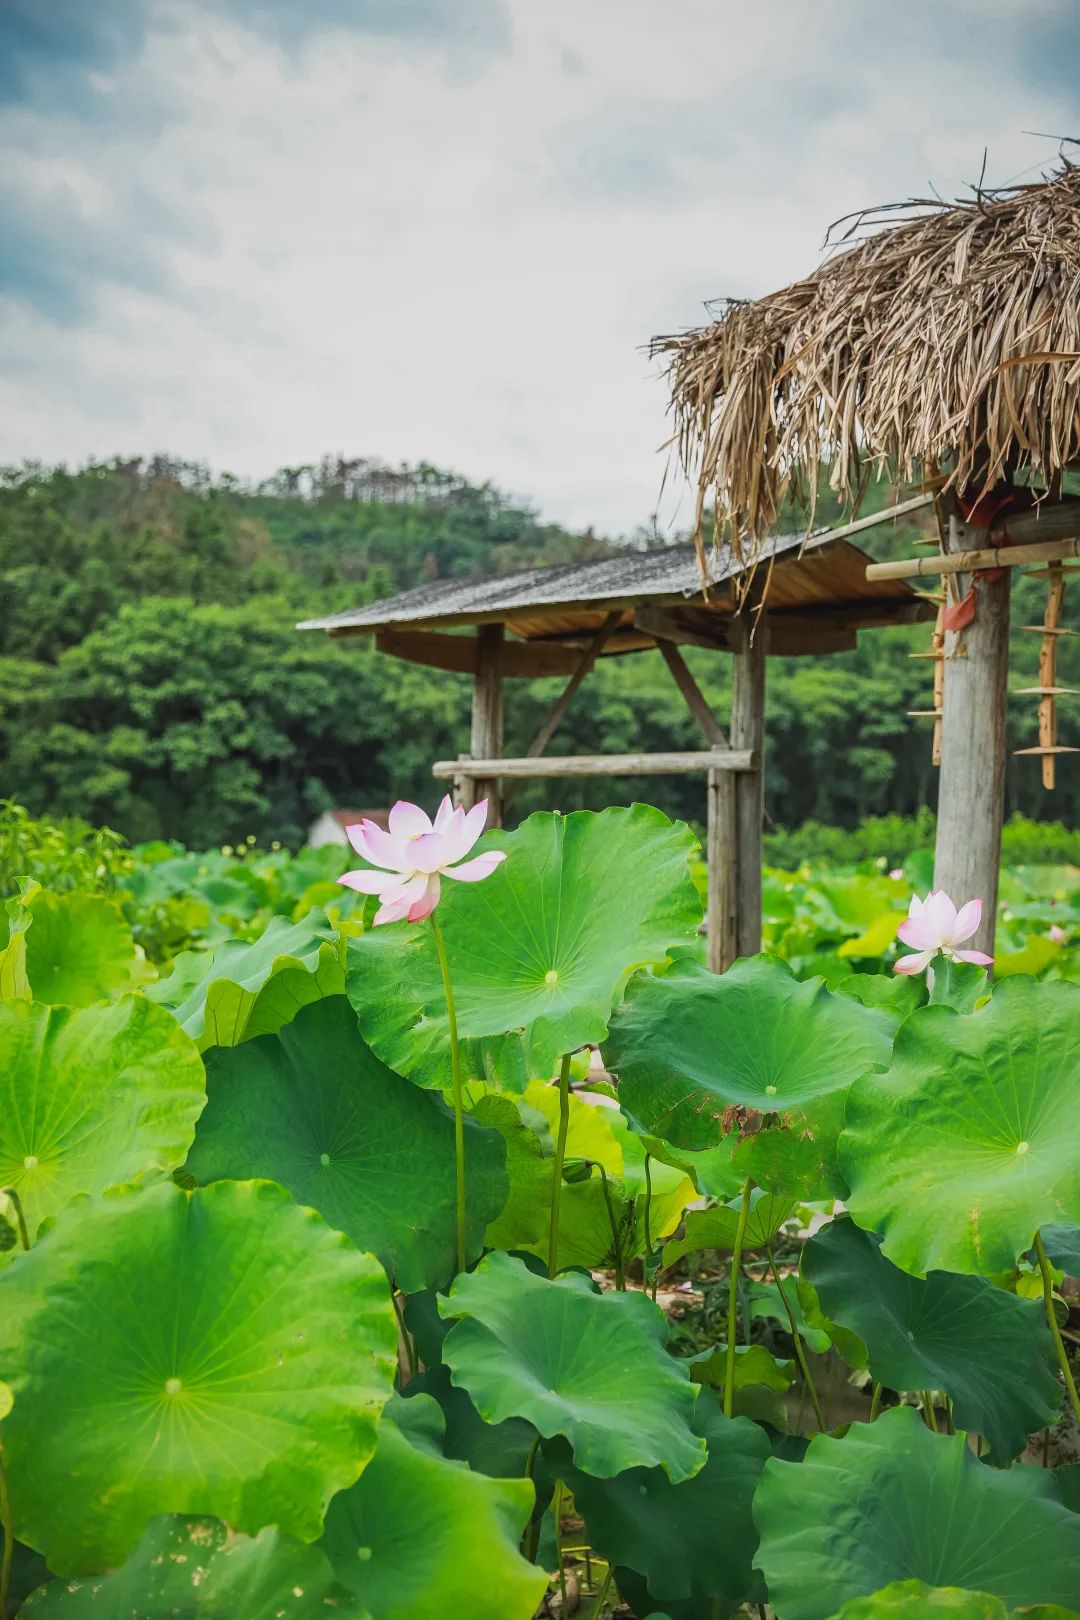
(151, 677)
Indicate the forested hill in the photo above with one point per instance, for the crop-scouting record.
(151, 677)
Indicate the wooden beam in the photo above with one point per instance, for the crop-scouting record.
(965, 562)
(822, 537)
(689, 626)
(693, 696)
(487, 724)
(585, 662)
(674, 764)
(459, 654)
(971, 796)
(751, 631)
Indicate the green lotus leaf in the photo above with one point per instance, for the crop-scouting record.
(218, 1352)
(244, 990)
(989, 1351)
(971, 1141)
(591, 1367)
(1062, 1245)
(419, 1535)
(766, 1300)
(891, 992)
(195, 1569)
(91, 1097)
(14, 984)
(796, 1157)
(893, 1502)
(313, 1108)
(717, 1228)
(762, 1382)
(914, 1600)
(669, 1533)
(710, 1168)
(80, 950)
(597, 1136)
(688, 1045)
(536, 963)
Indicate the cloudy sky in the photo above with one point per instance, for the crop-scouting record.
(251, 231)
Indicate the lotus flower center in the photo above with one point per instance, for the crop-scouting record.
(30, 1162)
(1022, 1147)
(324, 1160)
(173, 1386)
(770, 1091)
(551, 978)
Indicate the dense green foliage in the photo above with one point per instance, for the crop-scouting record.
(151, 677)
(258, 1358)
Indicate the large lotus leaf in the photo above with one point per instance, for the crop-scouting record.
(892, 1502)
(79, 949)
(688, 1045)
(695, 1539)
(989, 1351)
(244, 990)
(313, 1108)
(215, 1352)
(591, 1367)
(971, 1141)
(538, 952)
(1062, 1245)
(91, 1097)
(796, 1156)
(14, 984)
(195, 1569)
(419, 1535)
(717, 1228)
(914, 1600)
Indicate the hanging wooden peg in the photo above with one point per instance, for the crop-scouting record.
(1047, 690)
(937, 654)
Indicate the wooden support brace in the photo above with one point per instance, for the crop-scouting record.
(588, 658)
(966, 562)
(660, 764)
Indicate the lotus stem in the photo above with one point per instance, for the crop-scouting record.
(531, 1540)
(800, 1352)
(648, 1225)
(733, 1300)
(928, 1410)
(875, 1400)
(616, 1241)
(8, 1526)
(1051, 1317)
(460, 1245)
(560, 1159)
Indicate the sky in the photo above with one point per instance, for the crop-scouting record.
(249, 232)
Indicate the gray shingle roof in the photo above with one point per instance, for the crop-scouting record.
(668, 572)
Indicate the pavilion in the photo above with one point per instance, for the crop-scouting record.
(799, 596)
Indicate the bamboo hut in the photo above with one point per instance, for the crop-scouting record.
(941, 343)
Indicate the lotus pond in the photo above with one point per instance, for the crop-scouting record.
(495, 1259)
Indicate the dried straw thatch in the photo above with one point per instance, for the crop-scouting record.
(951, 340)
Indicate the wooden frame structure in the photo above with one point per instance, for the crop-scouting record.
(805, 596)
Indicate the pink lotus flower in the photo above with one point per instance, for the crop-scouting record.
(414, 853)
(934, 926)
(897, 873)
(1057, 934)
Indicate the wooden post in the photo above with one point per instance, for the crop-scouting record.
(971, 796)
(749, 638)
(487, 721)
(720, 833)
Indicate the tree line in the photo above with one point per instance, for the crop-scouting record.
(151, 677)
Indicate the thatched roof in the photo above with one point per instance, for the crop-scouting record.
(950, 339)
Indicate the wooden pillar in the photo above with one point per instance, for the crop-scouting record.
(971, 795)
(720, 852)
(487, 721)
(749, 639)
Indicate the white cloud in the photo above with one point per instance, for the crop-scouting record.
(415, 254)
